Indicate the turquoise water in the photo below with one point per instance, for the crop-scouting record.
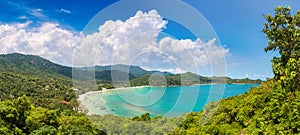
(166, 101)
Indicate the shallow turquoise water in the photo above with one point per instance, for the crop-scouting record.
(166, 101)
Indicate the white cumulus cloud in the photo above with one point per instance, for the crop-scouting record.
(48, 41)
(133, 41)
(120, 41)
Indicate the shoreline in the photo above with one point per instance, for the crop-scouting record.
(82, 97)
(84, 102)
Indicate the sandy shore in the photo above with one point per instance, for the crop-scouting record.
(82, 98)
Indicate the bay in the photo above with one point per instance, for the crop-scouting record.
(164, 101)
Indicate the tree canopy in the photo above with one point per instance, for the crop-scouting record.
(283, 32)
(273, 107)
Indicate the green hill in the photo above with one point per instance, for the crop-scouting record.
(113, 75)
(47, 88)
(262, 110)
(135, 71)
(188, 79)
(35, 65)
(32, 65)
(44, 91)
(38, 97)
(272, 108)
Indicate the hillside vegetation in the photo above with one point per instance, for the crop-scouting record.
(186, 79)
(32, 65)
(272, 108)
(19, 116)
(49, 103)
(37, 97)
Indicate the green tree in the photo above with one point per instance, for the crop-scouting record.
(40, 117)
(44, 130)
(146, 117)
(23, 106)
(283, 33)
(75, 125)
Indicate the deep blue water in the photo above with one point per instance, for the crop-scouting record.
(166, 101)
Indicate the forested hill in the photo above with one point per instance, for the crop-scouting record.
(32, 65)
(135, 71)
(38, 97)
(40, 105)
(274, 107)
(35, 65)
(187, 79)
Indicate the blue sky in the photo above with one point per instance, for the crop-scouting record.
(237, 23)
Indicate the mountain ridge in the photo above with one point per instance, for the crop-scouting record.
(36, 65)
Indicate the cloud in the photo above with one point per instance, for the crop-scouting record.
(121, 41)
(175, 70)
(188, 52)
(48, 41)
(23, 17)
(133, 41)
(36, 12)
(64, 11)
(22, 8)
(261, 75)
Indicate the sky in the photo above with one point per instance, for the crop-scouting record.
(221, 38)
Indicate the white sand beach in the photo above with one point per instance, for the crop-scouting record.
(82, 96)
(100, 102)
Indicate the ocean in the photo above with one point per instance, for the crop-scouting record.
(164, 101)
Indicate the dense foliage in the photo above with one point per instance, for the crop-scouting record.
(138, 125)
(37, 97)
(272, 108)
(32, 65)
(20, 116)
(43, 91)
(283, 32)
(186, 79)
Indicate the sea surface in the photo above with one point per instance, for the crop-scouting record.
(165, 101)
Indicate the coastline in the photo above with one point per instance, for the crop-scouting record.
(82, 98)
(92, 103)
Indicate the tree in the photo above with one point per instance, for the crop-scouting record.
(45, 130)
(76, 125)
(40, 117)
(283, 32)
